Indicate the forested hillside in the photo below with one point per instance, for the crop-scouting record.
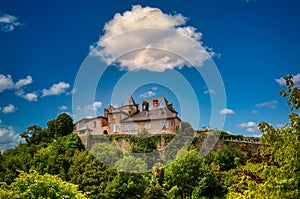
(53, 163)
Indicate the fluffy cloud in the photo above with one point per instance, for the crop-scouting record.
(248, 124)
(96, 105)
(8, 22)
(56, 89)
(24, 82)
(269, 104)
(62, 108)
(209, 91)
(9, 109)
(250, 127)
(8, 137)
(141, 32)
(28, 96)
(7, 83)
(31, 96)
(147, 94)
(226, 111)
(296, 79)
(90, 107)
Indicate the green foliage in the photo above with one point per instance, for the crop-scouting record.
(127, 185)
(173, 193)
(19, 158)
(35, 135)
(56, 158)
(227, 158)
(106, 153)
(91, 175)
(131, 164)
(60, 126)
(278, 175)
(33, 185)
(189, 173)
(154, 192)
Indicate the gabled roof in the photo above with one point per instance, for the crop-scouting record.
(154, 114)
(162, 103)
(86, 119)
(129, 101)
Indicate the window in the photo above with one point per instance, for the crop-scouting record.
(145, 106)
(130, 127)
(164, 125)
(95, 124)
(115, 129)
(155, 103)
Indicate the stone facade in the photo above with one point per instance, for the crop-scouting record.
(156, 115)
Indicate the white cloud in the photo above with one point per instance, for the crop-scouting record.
(23, 82)
(7, 83)
(226, 111)
(8, 22)
(9, 109)
(28, 96)
(296, 80)
(154, 88)
(62, 107)
(90, 107)
(250, 127)
(141, 32)
(96, 105)
(248, 124)
(252, 130)
(209, 91)
(31, 96)
(56, 89)
(269, 104)
(73, 91)
(147, 94)
(8, 137)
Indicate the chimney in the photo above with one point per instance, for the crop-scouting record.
(105, 112)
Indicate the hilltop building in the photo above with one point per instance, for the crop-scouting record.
(156, 115)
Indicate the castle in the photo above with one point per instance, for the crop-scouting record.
(156, 115)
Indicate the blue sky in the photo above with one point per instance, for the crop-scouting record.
(43, 44)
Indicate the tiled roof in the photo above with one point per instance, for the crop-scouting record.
(154, 114)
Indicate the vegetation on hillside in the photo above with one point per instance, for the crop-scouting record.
(53, 163)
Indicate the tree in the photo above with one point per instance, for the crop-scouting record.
(106, 153)
(189, 172)
(60, 126)
(35, 135)
(228, 157)
(64, 124)
(280, 169)
(33, 185)
(127, 185)
(57, 157)
(91, 175)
